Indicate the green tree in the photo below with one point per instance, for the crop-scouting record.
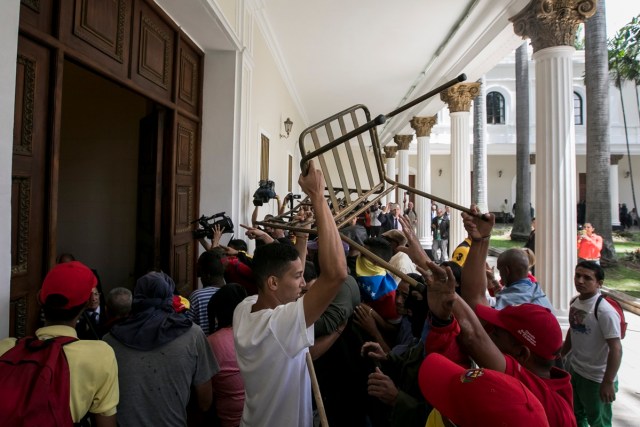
(579, 44)
(598, 194)
(624, 65)
(522, 221)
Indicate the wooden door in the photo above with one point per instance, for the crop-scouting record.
(182, 201)
(135, 44)
(149, 221)
(30, 141)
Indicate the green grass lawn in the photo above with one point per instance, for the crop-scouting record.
(619, 277)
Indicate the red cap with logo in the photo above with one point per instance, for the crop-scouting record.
(531, 324)
(73, 280)
(478, 397)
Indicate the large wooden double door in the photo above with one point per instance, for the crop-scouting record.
(135, 45)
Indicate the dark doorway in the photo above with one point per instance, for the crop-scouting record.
(98, 174)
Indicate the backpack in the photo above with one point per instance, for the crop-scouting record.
(35, 383)
(616, 306)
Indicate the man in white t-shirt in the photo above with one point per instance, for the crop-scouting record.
(274, 329)
(596, 350)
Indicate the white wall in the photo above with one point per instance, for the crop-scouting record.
(220, 146)
(271, 104)
(9, 12)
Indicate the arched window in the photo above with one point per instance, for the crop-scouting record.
(577, 109)
(495, 108)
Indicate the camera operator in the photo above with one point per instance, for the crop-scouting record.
(235, 259)
(215, 239)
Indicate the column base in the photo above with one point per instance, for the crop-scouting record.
(563, 319)
(426, 243)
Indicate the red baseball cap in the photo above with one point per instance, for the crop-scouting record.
(531, 324)
(478, 397)
(73, 280)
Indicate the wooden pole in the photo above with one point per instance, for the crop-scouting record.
(316, 392)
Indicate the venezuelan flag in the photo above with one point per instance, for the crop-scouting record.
(378, 289)
(374, 280)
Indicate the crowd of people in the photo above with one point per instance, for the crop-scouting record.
(461, 344)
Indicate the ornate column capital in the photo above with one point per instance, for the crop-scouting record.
(550, 23)
(532, 159)
(615, 158)
(390, 151)
(423, 125)
(403, 141)
(459, 97)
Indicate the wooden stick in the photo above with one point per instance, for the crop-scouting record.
(316, 392)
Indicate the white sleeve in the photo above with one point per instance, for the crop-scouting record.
(608, 320)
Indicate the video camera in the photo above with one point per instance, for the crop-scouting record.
(206, 225)
(265, 192)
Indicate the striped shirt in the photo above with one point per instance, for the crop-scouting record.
(199, 299)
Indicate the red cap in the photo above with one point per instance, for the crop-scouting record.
(73, 280)
(478, 397)
(531, 324)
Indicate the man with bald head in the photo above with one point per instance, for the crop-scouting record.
(513, 265)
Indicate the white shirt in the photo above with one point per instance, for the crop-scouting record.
(589, 348)
(271, 347)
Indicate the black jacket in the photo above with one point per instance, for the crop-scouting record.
(443, 227)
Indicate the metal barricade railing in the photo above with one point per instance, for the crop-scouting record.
(347, 149)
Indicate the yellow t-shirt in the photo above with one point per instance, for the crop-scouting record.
(435, 419)
(459, 255)
(93, 372)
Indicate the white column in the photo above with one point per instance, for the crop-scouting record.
(403, 142)
(614, 186)
(403, 173)
(532, 171)
(390, 155)
(423, 126)
(555, 151)
(461, 174)
(552, 29)
(391, 172)
(458, 99)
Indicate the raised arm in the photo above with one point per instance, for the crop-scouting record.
(474, 338)
(474, 278)
(331, 258)
(302, 238)
(257, 234)
(254, 217)
(413, 247)
(282, 207)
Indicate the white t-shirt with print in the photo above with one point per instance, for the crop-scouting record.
(589, 347)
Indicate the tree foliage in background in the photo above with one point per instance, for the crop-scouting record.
(522, 221)
(598, 192)
(579, 44)
(624, 66)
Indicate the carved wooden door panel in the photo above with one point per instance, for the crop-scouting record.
(30, 140)
(182, 158)
(149, 212)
